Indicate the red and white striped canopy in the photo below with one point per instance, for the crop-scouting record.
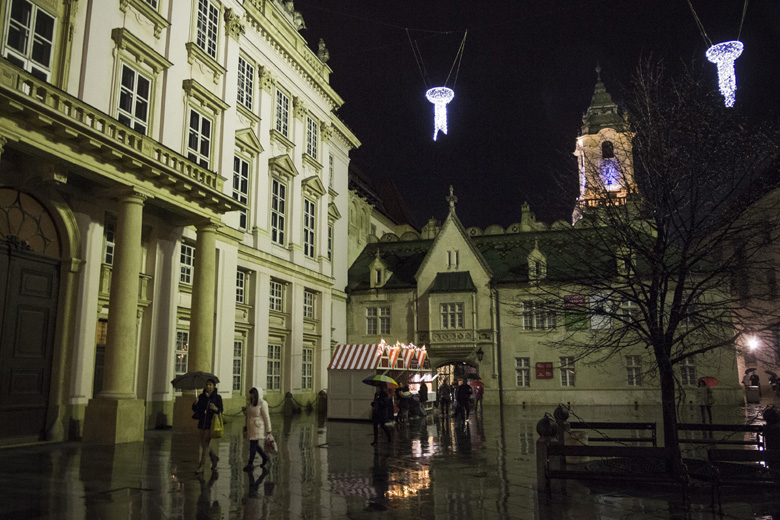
(356, 357)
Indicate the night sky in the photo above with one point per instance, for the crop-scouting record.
(525, 79)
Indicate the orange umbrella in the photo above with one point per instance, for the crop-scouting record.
(709, 380)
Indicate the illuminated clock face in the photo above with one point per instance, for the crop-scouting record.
(610, 176)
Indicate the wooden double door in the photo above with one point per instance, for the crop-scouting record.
(28, 312)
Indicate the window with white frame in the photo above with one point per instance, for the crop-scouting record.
(634, 370)
(377, 320)
(241, 188)
(278, 211)
(240, 286)
(182, 347)
(330, 242)
(187, 262)
(109, 240)
(451, 315)
(282, 113)
(152, 3)
(567, 371)
(688, 371)
(308, 304)
(629, 311)
(134, 98)
(238, 363)
(309, 229)
(331, 171)
(453, 258)
(307, 368)
(246, 83)
(274, 376)
(29, 38)
(523, 370)
(277, 296)
(312, 136)
(536, 316)
(207, 26)
(199, 139)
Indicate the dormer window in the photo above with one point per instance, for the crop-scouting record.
(537, 264)
(379, 273)
(377, 277)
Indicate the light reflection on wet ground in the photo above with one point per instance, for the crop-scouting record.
(484, 468)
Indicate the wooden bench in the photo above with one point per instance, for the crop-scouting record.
(756, 429)
(648, 428)
(669, 456)
(765, 478)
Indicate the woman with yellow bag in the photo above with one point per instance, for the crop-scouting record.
(206, 408)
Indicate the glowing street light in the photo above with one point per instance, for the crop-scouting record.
(439, 96)
(752, 343)
(723, 55)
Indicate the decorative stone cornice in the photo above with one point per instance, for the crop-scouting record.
(149, 12)
(203, 96)
(313, 186)
(126, 41)
(194, 52)
(282, 165)
(248, 143)
(233, 24)
(333, 213)
(312, 162)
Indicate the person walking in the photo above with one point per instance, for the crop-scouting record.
(404, 402)
(381, 413)
(258, 425)
(463, 392)
(445, 398)
(479, 393)
(208, 404)
(705, 398)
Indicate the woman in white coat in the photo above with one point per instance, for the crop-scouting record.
(258, 425)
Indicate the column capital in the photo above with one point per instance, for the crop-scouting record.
(209, 224)
(128, 193)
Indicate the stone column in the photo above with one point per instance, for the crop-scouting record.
(116, 415)
(200, 356)
(201, 346)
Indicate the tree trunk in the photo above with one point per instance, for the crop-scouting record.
(668, 407)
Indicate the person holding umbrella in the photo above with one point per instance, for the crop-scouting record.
(381, 413)
(208, 404)
(258, 425)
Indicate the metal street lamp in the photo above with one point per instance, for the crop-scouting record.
(480, 354)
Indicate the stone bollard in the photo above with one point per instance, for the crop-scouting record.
(288, 406)
(547, 430)
(322, 402)
(561, 415)
(772, 429)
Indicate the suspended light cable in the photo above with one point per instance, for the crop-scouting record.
(458, 58)
(742, 21)
(700, 25)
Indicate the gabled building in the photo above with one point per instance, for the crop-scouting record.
(172, 181)
(477, 298)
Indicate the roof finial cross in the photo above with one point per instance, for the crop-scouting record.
(452, 199)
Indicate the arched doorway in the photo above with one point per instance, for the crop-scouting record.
(454, 371)
(29, 283)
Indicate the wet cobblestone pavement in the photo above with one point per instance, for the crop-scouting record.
(484, 468)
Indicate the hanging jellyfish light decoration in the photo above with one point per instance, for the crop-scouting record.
(439, 96)
(724, 55)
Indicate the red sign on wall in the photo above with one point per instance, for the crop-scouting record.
(544, 370)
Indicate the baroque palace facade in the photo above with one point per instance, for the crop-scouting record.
(170, 200)
(471, 296)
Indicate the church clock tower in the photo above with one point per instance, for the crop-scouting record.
(604, 154)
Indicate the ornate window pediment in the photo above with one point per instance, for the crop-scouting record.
(149, 12)
(313, 186)
(203, 96)
(126, 41)
(333, 212)
(248, 142)
(283, 165)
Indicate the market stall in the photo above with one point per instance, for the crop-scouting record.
(348, 396)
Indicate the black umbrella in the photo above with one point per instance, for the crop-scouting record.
(749, 370)
(769, 372)
(193, 380)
